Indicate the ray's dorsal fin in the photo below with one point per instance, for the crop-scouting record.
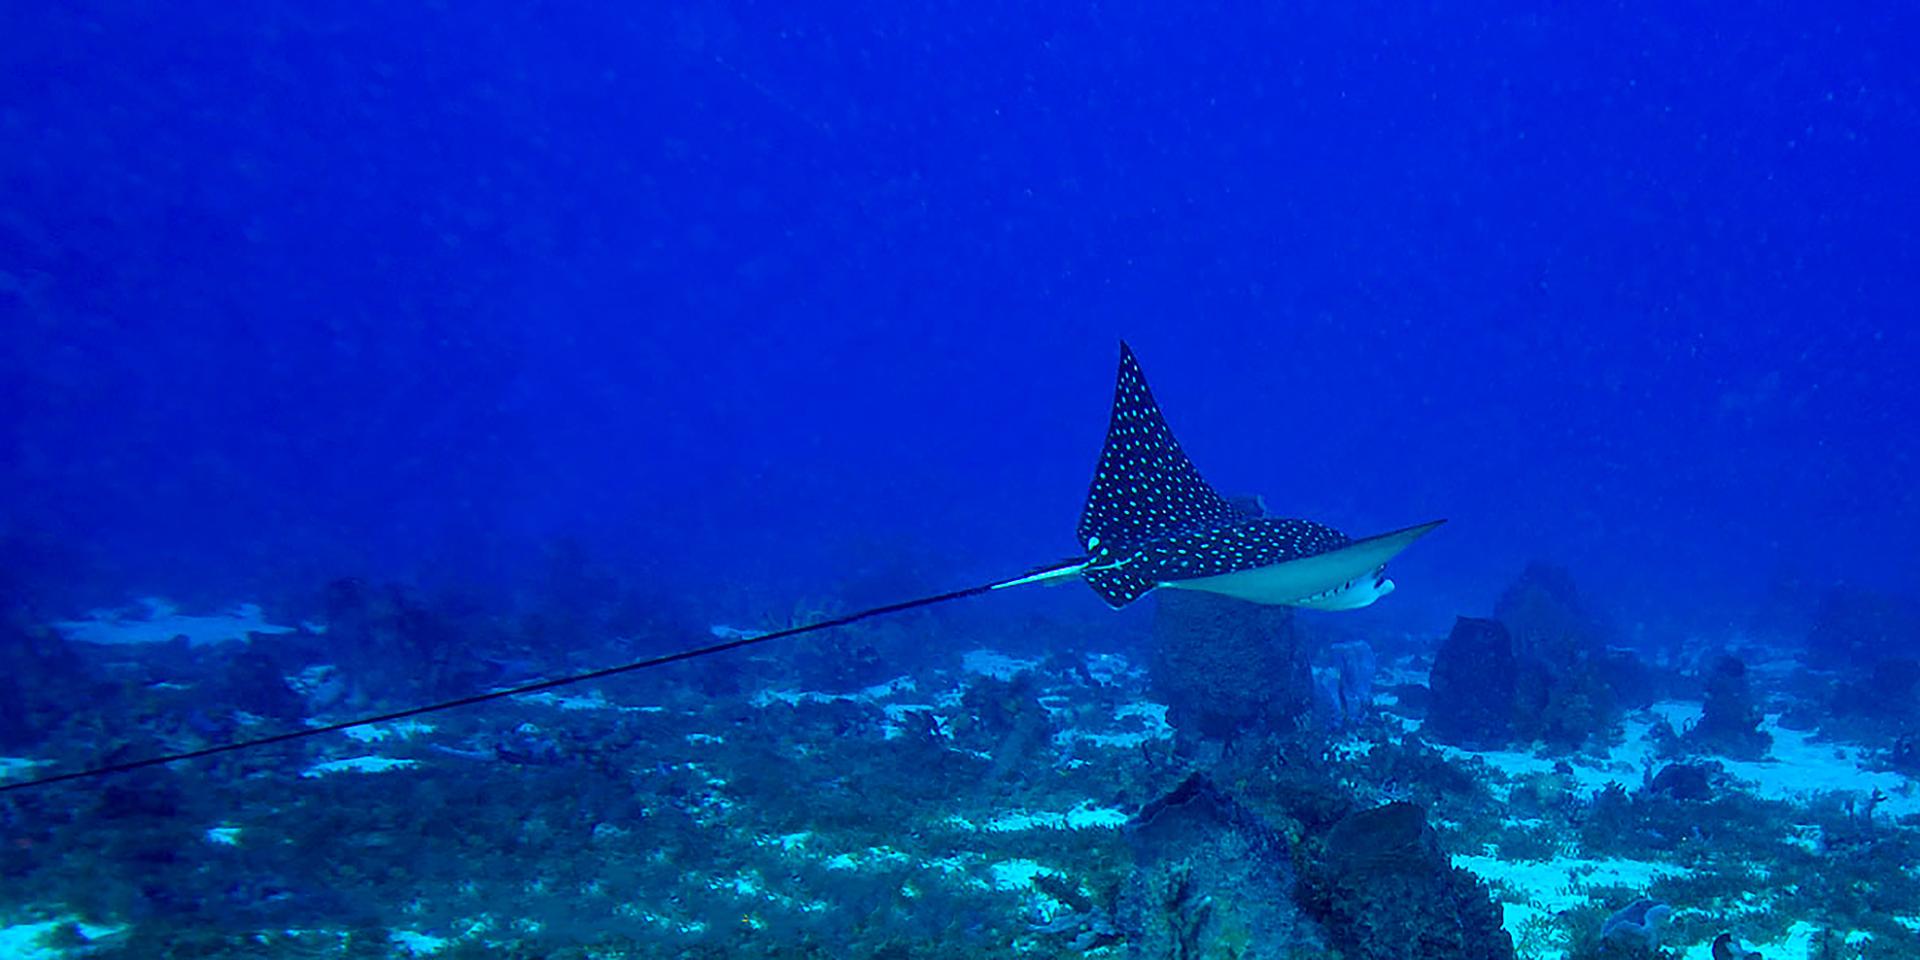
(1144, 487)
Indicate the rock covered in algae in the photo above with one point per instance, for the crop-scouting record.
(1210, 880)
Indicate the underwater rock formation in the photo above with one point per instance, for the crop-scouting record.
(1384, 890)
(1473, 683)
(1730, 720)
(1226, 667)
(1210, 880)
(37, 670)
(1856, 628)
(1561, 693)
(390, 644)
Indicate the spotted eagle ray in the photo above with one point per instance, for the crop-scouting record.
(1150, 522)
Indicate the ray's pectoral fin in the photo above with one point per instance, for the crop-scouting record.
(1116, 585)
(1346, 578)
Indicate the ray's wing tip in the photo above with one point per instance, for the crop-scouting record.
(1407, 534)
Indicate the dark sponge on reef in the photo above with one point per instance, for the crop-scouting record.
(1384, 890)
(1473, 686)
(1227, 667)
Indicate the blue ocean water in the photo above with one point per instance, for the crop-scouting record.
(518, 340)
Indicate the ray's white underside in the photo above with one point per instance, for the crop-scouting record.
(1344, 579)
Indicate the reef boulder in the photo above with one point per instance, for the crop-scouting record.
(1473, 681)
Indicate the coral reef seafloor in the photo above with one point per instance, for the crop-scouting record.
(985, 805)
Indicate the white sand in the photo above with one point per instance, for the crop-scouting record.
(158, 621)
(397, 730)
(1017, 874)
(26, 941)
(11, 767)
(1083, 817)
(992, 663)
(594, 700)
(1799, 768)
(1154, 715)
(357, 765)
(419, 944)
(1534, 893)
(1561, 883)
(873, 694)
(1796, 769)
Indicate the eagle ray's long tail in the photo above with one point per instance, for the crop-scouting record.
(1048, 572)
